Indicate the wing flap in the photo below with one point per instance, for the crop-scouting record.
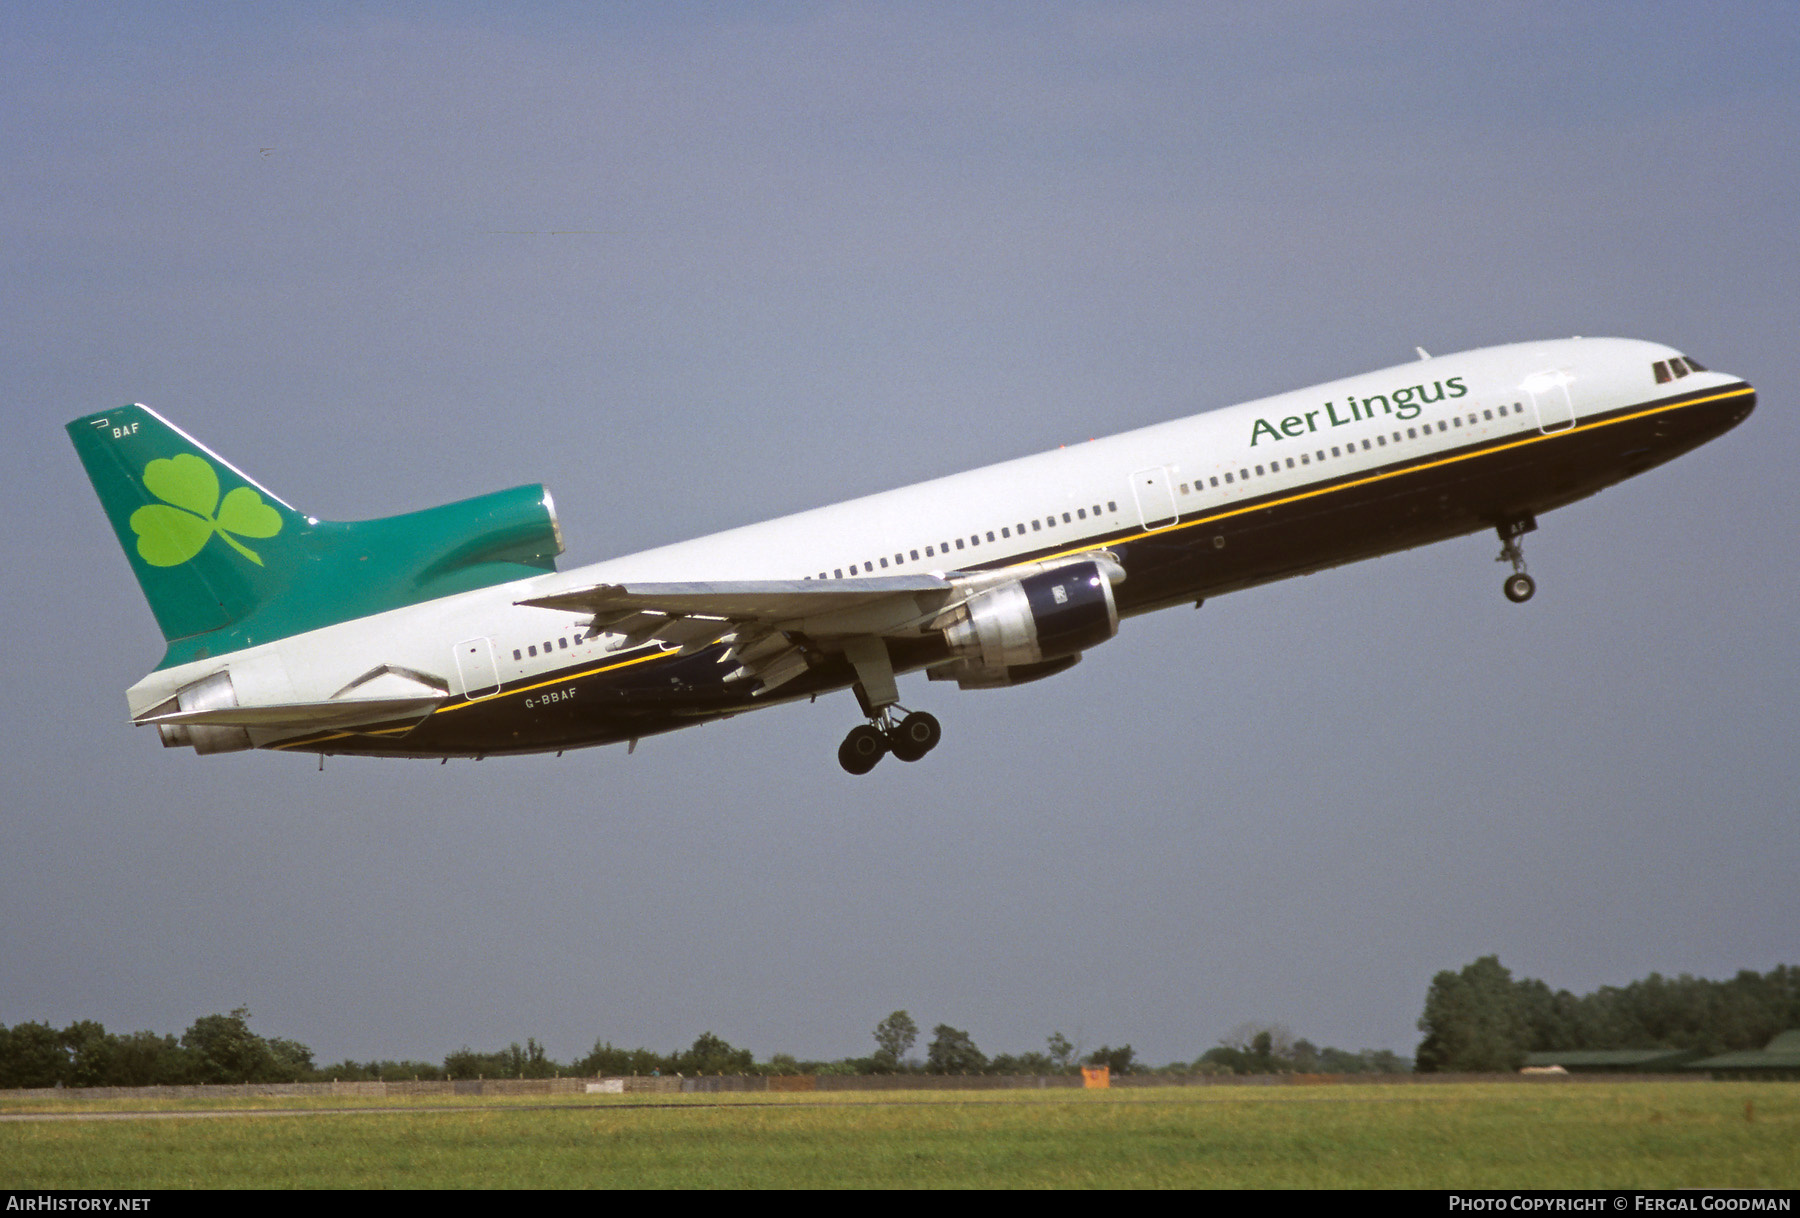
(769, 601)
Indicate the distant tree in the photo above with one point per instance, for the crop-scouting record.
(223, 1049)
(894, 1037)
(143, 1059)
(953, 1052)
(713, 1055)
(528, 1062)
(466, 1063)
(1021, 1064)
(1061, 1051)
(1473, 1021)
(91, 1052)
(608, 1060)
(1118, 1061)
(33, 1055)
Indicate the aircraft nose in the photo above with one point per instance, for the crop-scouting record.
(1745, 404)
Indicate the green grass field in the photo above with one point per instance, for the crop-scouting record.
(1567, 1135)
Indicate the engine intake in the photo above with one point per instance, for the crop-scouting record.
(1047, 616)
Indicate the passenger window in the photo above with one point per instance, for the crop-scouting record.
(1334, 452)
(1290, 462)
(1066, 519)
(1035, 528)
(837, 572)
(563, 643)
(532, 650)
(915, 553)
(898, 559)
(1111, 506)
(1303, 460)
(990, 535)
(1184, 488)
(1215, 479)
(959, 543)
(884, 564)
(1096, 509)
(1381, 440)
(516, 654)
(928, 552)
(869, 566)
(1020, 529)
(1228, 475)
(1259, 471)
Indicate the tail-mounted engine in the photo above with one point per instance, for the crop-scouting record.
(209, 693)
(1031, 627)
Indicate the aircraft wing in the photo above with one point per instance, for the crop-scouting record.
(771, 623)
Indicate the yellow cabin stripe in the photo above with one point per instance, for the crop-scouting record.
(1300, 496)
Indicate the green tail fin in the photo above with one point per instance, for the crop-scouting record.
(226, 564)
(206, 543)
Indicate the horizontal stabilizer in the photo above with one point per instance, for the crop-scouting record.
(301, 716)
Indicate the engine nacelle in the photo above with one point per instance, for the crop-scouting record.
(1025, 625)
(968, 676)
(209, 693)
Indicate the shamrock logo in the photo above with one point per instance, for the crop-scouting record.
(173, 531)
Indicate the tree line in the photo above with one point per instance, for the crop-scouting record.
(1476, 1019)
(1481, 1019)
(223, 1049)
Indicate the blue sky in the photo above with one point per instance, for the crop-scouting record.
(699, 266)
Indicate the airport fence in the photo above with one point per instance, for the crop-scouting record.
(724, 1083)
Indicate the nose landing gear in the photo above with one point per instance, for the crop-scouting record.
(908, 737)
(1518, 586)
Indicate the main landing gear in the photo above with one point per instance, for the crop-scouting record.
(908, 737)
(1518, 586)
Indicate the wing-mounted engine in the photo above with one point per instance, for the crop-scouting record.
(1030, 626)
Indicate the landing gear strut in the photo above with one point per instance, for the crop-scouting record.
(1518, 586)
(908, 737)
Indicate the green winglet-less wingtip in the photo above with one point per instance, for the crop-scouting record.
(226, 564)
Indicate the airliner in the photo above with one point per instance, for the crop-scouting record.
(449, 632)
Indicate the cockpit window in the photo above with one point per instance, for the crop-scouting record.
(1669, 369)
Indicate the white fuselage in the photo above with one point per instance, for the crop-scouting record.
(1182, 475)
